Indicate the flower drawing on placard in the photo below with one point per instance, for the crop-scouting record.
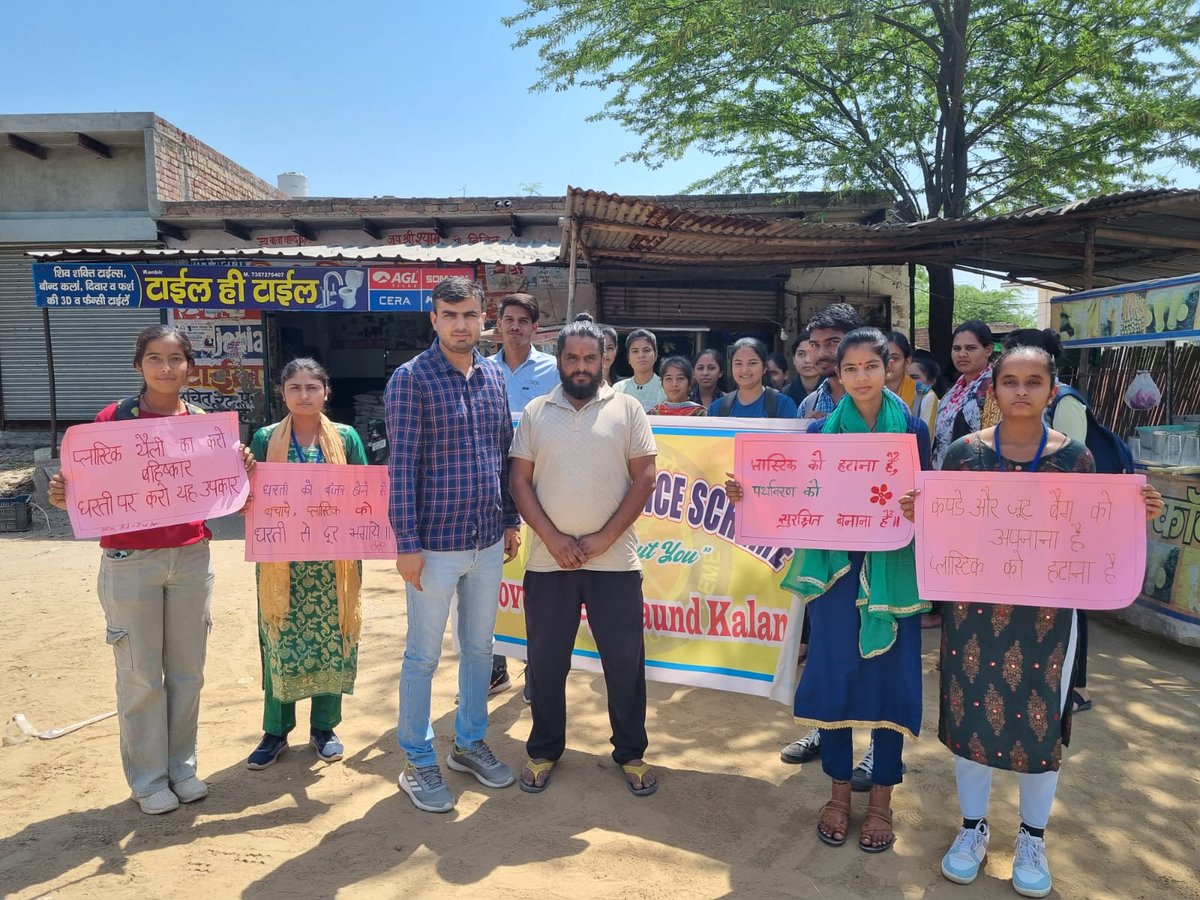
(880, 494)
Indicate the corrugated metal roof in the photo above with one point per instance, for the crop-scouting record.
(509, 253)
(1138, 235)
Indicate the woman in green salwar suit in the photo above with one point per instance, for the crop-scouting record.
(308, 612)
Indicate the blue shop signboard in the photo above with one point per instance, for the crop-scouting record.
(272, 288)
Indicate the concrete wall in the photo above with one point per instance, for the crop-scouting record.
(187, 169)
(73, 180)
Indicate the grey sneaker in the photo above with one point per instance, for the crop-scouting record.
(860, 778)
(481, 762)
(426, 788)
(161, 801)
(804, 750)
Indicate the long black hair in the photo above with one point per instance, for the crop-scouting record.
(872, 338)
(160, 333)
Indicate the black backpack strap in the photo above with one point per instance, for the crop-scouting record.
(726, 406)
(127, 409)
(771, 403)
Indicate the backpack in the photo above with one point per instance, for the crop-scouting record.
(1112, 454)
(128, 409)
(770, 403)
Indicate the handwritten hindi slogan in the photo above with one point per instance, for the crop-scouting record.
(138, 474)
(825, 491)
(306, 512)
(1061, 540)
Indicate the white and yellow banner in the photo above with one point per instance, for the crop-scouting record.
(714, 613)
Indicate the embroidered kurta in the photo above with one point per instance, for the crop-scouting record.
(1001, 690)
(306, 658)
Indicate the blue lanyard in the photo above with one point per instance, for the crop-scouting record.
(1037, 457)
(321, 456)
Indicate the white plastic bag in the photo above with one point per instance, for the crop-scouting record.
(1143, 393)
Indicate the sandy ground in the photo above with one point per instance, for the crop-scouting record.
(729, 820)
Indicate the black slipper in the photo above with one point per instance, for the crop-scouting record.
(1078, 704)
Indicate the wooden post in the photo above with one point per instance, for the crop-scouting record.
(1089, 267)
(50, 375)
(572, 274)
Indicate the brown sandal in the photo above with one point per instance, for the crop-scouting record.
(834, 809)
(872, 832)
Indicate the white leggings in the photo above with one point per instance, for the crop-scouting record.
(1036, 789)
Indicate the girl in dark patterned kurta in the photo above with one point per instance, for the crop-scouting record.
(1006, 670)
(308, 612)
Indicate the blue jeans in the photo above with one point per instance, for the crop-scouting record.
(475, 576)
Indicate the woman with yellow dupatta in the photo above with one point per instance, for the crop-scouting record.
(864, 657)
(309, 615)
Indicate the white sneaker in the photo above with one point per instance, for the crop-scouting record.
(190, 790)
(962, 861)
(161, 801)
(1031, 872)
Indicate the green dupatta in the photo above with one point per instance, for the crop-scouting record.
(887, 584)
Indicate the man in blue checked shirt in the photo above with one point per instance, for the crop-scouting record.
(449, 429)
(528, 373)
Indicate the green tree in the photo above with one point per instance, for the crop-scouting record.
(957, 107)
(991, 305)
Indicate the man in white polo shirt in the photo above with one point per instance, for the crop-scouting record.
(528, 373)
(582, 468)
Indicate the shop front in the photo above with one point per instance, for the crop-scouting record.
(1148, 313)
(247, 317)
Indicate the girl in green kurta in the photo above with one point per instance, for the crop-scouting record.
(309, 613)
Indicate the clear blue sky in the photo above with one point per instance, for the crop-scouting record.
(366, 97)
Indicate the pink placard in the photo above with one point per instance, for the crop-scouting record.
(307, 512)
(824, 491)
(147, 473)
(1062, 540)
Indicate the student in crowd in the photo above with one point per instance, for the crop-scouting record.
(528, 373)
(309, 613)
(584, 554)
(925, 371)
(921, 401)
(641, 346)
(709, 373)
(450, 429)
(978, 663)
(155, 588)
(1068, 413)
(966, 407)
(611, 343)
(676, 375)
(807, 379)
(777, 371)
(752, 399)
(864, 664)
(825, 332)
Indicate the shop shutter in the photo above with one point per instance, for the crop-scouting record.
(675, 305)
(93, 350)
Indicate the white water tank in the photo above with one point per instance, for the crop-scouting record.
(294, 184)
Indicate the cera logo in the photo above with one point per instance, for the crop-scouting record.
(396, 278)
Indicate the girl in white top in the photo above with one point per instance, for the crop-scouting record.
(641, 346)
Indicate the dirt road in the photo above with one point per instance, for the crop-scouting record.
(729, 820)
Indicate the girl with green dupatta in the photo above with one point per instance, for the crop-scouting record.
(309, 617)
(864, 658)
